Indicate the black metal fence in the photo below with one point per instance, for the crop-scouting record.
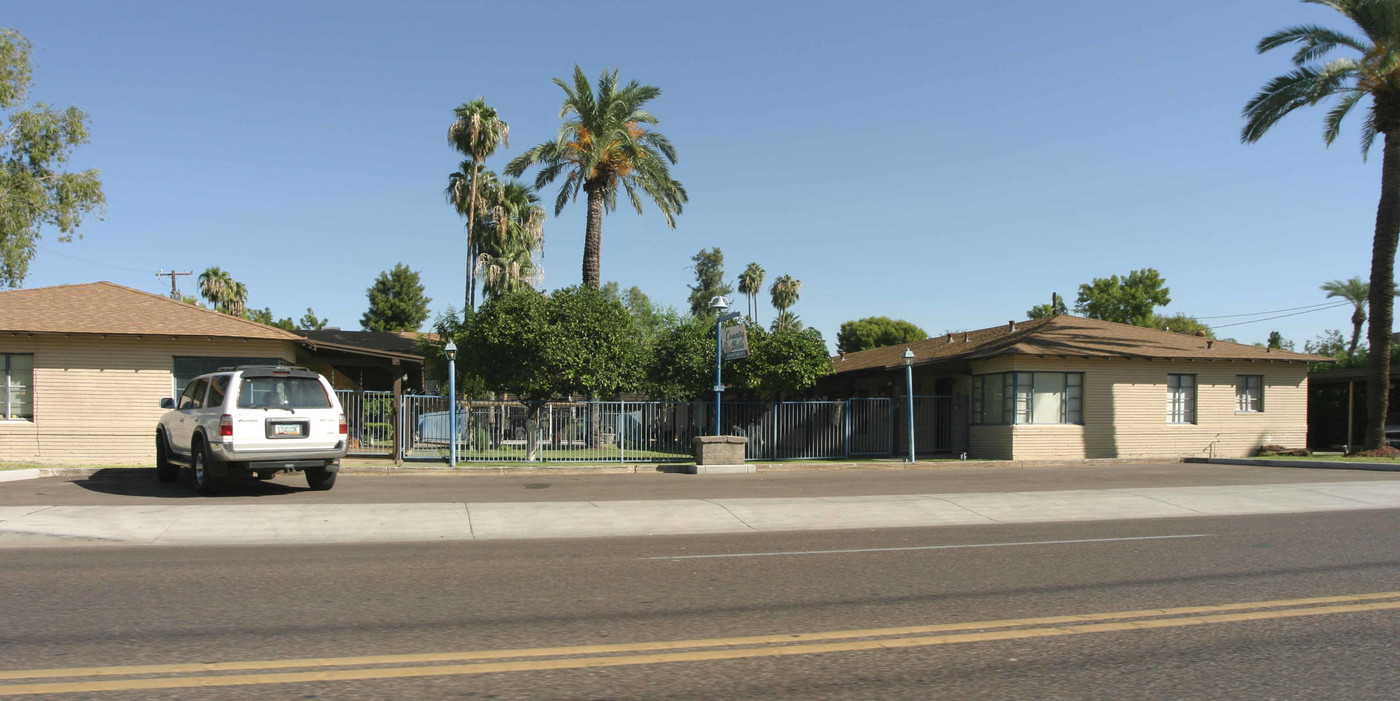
(631, 432)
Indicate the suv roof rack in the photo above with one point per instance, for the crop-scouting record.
(231, 368)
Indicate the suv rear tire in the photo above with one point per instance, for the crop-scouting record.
(204, 483)
(320, 479)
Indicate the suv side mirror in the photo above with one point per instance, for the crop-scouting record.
(167, 403)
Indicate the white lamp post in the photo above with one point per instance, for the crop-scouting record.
(451, 350)
(909, 396)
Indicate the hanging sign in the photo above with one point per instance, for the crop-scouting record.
(735, 341)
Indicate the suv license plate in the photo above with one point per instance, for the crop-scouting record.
(286, 429)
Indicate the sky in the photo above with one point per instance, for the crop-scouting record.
(950, 164)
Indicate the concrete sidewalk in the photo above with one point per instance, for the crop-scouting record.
(360, 523)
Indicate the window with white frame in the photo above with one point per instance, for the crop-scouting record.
(1249, 393)
(17, 386)
(1028, 398)
(1181, 399)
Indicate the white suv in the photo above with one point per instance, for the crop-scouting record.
(252, 419)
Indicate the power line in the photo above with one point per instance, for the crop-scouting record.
(1271, 318)
(1323, 305)
(80, 260)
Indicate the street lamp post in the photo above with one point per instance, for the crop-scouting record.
(451, 350)
(909, 396)
(719, 304)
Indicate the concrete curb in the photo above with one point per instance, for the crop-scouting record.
(1314, 464)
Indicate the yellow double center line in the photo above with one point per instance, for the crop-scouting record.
(79, 679)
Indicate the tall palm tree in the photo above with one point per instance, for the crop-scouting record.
(786, 321)
(1374, 73)
(214, 286)
(605, 143)
(785, 292)
(460, 186)
(750, 284)
(476, 133)
(507, 258)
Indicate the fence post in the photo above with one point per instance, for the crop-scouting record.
(848, 427)
(395, 408)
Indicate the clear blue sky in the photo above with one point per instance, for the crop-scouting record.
(951, 164)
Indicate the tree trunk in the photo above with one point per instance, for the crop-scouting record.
(1382, 294)
(593, 237)
(1356, 325)
(471, 224)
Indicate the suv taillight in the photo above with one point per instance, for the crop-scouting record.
(344, 430)
(226, 425)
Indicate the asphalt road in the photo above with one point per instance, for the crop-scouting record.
(139, 486)
(939, 613)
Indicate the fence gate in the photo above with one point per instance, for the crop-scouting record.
(933, 424)
(369, 417)
(871, 432)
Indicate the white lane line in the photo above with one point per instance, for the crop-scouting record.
(928, 547)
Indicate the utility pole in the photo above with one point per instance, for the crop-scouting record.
(174, 292)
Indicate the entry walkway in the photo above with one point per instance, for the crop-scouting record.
(360, 523)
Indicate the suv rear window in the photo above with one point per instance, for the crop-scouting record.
(282, 392)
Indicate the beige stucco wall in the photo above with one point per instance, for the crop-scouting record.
(1125, 412)
(97, 400)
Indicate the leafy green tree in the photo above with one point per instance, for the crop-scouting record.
(1182, 323)
(750, 285)
(476, 133)
(648, 321)
(35, 143)
(449, 326)
(310, 322)
(683, 360)
(264, 316)
(396, 301)
(783, 362)
(1128, 300)
(784, 293)
(604, 144)
(574, 342)
(1056, 306)
(1278, 342)
(709, 280)
(876, 332)
(1373, 72)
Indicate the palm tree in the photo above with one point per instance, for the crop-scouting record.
(476, 133)
(1374, 72)
(215, 286)
(460, 185)
(750, 284)
(605, 142)
(507, 258)
(223, 293)
(785, 292)
(1355, 291)
(786, 321)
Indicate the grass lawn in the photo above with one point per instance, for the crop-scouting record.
(1335, 457)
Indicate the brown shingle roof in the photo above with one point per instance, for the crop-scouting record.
(1064, 335)
(107, 308)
